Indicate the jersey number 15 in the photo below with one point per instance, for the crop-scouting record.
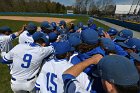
(51, 85)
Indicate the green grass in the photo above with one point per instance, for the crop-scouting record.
(15, 26)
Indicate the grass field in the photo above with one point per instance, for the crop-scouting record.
(15, 26)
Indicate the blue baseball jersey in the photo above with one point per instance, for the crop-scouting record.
(51, 77)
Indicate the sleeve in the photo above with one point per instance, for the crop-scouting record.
(9, 38)
(8, 57)
(46, 51)
(71, 85)
(120, 51)
(13, 36)
(85, 81)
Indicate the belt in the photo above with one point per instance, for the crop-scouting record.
(26, 79)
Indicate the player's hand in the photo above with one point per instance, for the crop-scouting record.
(24, 27)
(20, 31)
(79, 30)
(96, 58)
(106, 35)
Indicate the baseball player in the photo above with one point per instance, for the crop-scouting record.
(27, 59)
(112, 32)
(91, 25)
(51, 73)
(114, 70)
(26, 36)
(46, 27)
(6, 39)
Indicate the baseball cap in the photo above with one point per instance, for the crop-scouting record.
(90, 21)
(31, 26)
(54, 24)
(124, 34)
(74, 41)
(62, 22)
(80, 25)
(52, 36)
(107, 43)
(118, 70)
(130, 43)
(100, 31)
(112, 31)
(38, 35)
(89, 36)
(46, 25)
(62, 47)
(5, 29)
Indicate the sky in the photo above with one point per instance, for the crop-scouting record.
(71, 2)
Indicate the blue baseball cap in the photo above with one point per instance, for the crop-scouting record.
(62, 48)
(31, 26)
(46, 25)
(52, 36)
(5, 29)
(100, 31)
(118, 70)
(130, 43)
(38, 35)
(107, 43)
(80, 25)
(124, 34)
(62, 22)
(89, 36)
(74, 41)
(112, 32)
(54, 24)
(90, 21)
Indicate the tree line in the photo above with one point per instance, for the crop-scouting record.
(99, 7)
(41, 6)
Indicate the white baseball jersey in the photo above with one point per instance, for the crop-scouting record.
(71, 85)
(6, 43)
(51, 77)
(27, 59)
(25, 37)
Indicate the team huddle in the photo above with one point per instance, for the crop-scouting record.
(71, 59)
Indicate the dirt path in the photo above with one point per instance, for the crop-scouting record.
(35, 19)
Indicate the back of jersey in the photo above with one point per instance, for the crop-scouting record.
(27, 60)
(51, 76)
(25, 37)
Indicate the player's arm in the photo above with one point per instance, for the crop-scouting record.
(7, 58)
(78, 68)
(16, 34)
(47, 51)
(5, 61)
(71, 85)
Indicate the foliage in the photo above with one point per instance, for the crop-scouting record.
(40, 6)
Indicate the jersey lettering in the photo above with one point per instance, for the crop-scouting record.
(50, 79)
(27, 60)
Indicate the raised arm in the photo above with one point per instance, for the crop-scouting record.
(78, 68)
(20, 31)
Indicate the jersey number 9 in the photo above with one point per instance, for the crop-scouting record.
(27, 60)
(50, 79)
